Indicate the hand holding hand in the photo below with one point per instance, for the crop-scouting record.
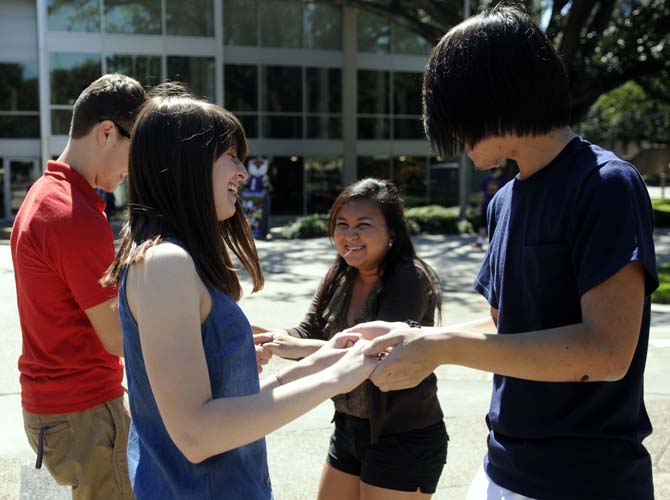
(334, 349)
(406, 365)
(262, 355)
(373, 329)
(285, 346)
(354, 366)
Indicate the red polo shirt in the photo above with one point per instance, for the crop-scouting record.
(61, 246)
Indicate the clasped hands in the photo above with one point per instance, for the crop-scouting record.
(402, 353)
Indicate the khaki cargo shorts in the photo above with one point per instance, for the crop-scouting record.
(85, 450)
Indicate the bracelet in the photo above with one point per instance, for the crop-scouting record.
(412, 324)
(278, 377)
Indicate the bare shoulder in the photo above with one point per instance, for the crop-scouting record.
(165, 264)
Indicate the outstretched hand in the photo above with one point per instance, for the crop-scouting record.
(263, 355)
(334, 349)
(373, 329)
(406, 362)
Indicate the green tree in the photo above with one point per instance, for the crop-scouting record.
(603, 43)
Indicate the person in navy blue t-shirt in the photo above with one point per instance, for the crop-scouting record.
(568, 275)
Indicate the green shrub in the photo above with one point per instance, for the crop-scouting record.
(311, 226)
(662, 293)
(436, 219)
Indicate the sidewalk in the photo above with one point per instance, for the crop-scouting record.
(293, 270)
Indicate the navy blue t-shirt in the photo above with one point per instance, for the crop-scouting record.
(553, 237)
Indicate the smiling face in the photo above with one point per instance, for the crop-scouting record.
(361, 235)
(228, 173)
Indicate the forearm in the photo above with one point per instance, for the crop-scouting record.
(570, 353)
(236, 421)
(255, 329)
(482, 325)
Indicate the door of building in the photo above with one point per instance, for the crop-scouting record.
(16, 177)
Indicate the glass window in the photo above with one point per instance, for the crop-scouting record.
(286, 176)
(282, 127)
(122, 16)
(240, 18)
(374, 33)
(408, 128)
(18, 87)
(323, 182)
(72, 73)
(240, 87)
(281, 23)
(406, 41)
(407, 93)
(324, 90)
(373, 92)
(374, 166)
(196, 72)
(19, 126)
(322, 27)
(189, 17)
(281, 87)
(250, 124)
(148, 70)
(444, 181)
(374, 128)
(324, 127)
(60, 121)
(409, 176)
(73, 15)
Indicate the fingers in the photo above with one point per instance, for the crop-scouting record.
(383, 343)
(344, 340)
(262, 338)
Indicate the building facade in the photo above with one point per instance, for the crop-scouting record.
(327, 94)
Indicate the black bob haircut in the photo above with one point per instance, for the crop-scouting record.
(495, 73)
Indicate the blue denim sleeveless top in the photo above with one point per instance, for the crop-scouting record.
(158, 470)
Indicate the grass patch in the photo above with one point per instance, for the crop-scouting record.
(662, 294)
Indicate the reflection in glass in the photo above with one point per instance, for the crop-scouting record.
(71, 73)
(408, 128)
(73, 15)
(189, 17)
(324, 90)
(322, 27)
(19, 126)
(444, 181)
(240, 19)
(18, 87)
(373, 128)
(406, 41)
(282, 127)
(196, 72)
(409, 176)
(281, 23)
(324, 127)
(145, 69)
(323, 182)
(374, 166)
(407, 93)
(21, 179)
(374, 33)
(373, 92)
(240, 87)
(281, 88)
(124, 16)
(60, 121)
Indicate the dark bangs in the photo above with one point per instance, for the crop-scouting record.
(494, 74)
(228, 132)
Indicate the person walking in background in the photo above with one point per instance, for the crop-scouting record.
(61, 243)
(385, 445)
(568, 275)
(491, 184)
(199, 412)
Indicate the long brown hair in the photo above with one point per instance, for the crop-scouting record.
(386, 196)
(175, 142)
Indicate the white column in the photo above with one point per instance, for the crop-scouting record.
(43, 82)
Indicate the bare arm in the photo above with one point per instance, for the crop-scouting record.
(600, 348)
(107, 325)
(169, 324)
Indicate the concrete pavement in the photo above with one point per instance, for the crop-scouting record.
(296, 451)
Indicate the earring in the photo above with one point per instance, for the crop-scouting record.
(390, 243)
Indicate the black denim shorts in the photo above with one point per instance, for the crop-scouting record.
(406, 461)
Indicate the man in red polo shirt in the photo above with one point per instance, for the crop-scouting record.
(70, 366)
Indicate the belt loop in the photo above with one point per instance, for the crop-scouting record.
(40, 449)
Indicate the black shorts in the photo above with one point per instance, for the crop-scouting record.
(405, 461)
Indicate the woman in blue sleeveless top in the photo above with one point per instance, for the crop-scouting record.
(199, 412)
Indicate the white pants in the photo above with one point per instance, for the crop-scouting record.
(483, 488)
